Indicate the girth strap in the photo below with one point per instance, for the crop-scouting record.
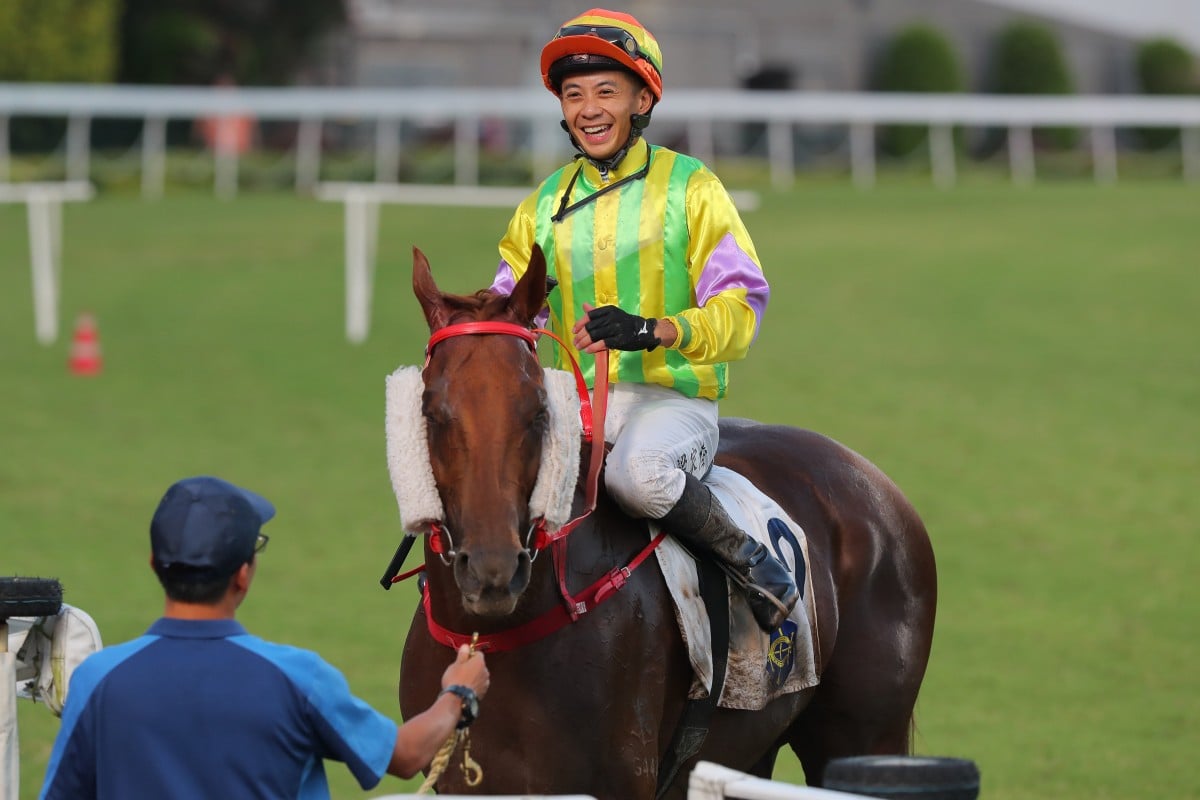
(693, 725)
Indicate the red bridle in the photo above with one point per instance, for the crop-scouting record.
(592, 419)
(592, 422)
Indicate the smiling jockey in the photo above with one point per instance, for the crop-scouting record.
(652, 262)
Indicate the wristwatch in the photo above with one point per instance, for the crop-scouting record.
(470, 703)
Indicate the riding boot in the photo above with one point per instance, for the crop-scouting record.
(699, 519)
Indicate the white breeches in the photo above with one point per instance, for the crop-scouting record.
(657, 434)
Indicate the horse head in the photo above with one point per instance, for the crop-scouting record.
(486, 414)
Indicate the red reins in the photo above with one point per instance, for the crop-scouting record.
(591, 415)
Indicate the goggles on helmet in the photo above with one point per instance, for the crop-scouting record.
(609, 33)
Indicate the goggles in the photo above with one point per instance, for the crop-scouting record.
(609, 33)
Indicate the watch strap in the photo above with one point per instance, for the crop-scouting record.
(470, 702)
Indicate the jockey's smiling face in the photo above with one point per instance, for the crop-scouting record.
(597, 107)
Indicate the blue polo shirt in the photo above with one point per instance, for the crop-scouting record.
(202, 709)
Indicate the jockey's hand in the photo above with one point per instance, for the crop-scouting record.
(620, 330)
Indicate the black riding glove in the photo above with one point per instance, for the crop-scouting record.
(620, 330)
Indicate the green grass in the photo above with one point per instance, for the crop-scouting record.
(1025, 363)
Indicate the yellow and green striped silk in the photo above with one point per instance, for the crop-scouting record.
(632, 247)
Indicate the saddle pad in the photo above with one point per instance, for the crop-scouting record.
(761, 667)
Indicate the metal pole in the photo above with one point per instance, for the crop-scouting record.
(387, 150)
(358, 249)
(308, 153)
(10, 762)
(78, 153)
(5, 158)
(225, 168)
(45, 273)
(154, 157)
(1104, 155)
(1189, 143)
(1020, 154)
(779, 149)
(545, 149)
(466, 150)
(941, 155)
(862, 154)
(700, 139)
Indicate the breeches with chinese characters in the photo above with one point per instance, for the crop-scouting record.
(657, 435)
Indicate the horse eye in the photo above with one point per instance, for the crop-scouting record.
(435, 413)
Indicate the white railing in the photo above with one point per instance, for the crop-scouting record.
(43, 203)
(707, 781)
(698, 111)
(710, 781)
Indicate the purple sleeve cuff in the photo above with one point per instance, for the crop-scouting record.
(505, 282)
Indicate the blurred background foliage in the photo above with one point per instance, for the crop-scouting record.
(918, 59)
(181, 42)
(1027, 58)
(250, 42)
(59, 41)
(1164, 67)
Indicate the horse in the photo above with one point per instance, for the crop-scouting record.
(592, 706)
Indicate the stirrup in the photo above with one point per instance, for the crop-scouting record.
(754, 587)
(747, 587)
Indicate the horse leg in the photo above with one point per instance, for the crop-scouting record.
(864, 703)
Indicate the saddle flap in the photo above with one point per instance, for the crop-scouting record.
(761, 667)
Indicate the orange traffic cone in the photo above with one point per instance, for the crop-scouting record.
(85, 347)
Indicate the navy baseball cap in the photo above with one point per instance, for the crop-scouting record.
(207, 525)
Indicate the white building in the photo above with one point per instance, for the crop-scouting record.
(812, 44)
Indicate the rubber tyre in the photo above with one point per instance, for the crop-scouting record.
(911, 777)
(30, 597)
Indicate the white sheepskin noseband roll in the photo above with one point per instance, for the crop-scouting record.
(410, 468)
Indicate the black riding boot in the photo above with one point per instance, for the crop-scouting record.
(699, 519)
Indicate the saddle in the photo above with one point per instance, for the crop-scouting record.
(760, 667)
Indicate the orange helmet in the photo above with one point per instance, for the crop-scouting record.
(611, 36)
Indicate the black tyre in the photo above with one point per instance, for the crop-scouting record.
(911, 777)
(30, 597)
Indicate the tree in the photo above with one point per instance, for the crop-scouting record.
(918, 59)
(58, 40)
(252, 42)
(1164, 67)
(1027, 59)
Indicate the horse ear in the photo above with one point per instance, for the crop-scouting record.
(529, 295)
(427, 292)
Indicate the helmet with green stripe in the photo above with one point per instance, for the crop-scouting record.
(599, 40)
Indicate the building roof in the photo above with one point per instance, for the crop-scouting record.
(1176, 19)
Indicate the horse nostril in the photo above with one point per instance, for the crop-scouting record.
(520, 578)
(460, 565)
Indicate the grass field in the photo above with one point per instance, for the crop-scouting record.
(1025, 364)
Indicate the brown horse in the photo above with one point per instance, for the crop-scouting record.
(592, 707)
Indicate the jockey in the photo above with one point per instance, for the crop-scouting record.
(653, 263)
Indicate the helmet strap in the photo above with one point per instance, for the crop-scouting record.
(639, 123)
